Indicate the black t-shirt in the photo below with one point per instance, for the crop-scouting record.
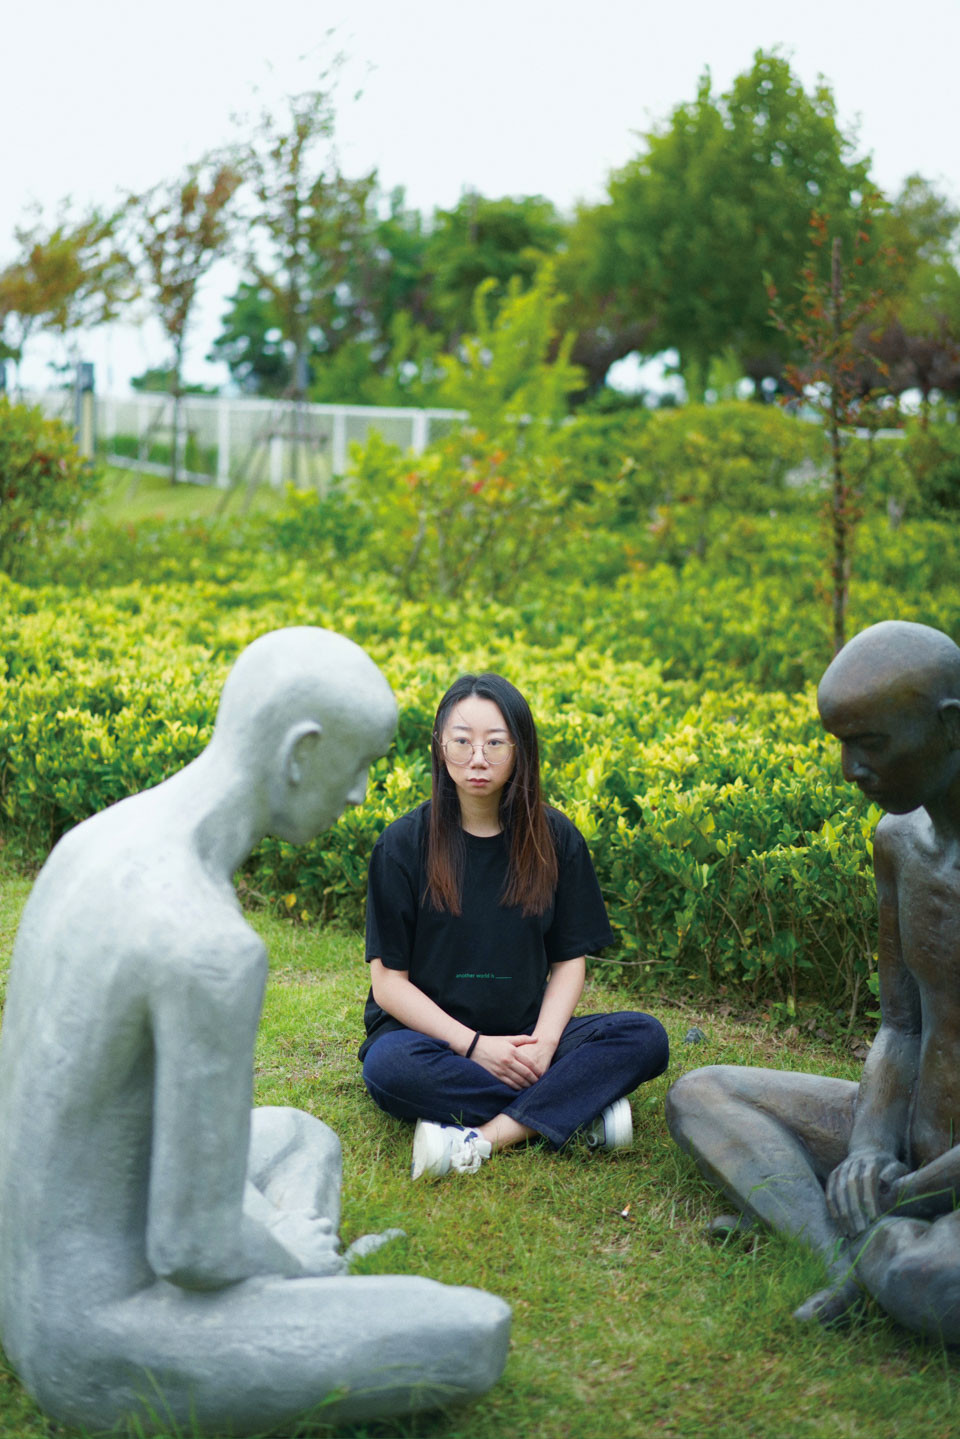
(488, 965)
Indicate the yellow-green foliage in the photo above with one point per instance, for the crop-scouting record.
(44, 483)
(727, 846)
(672, 680)
(483, 503)
(688, 469)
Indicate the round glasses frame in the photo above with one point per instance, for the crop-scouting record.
(460, 752)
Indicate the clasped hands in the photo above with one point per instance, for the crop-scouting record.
(862, 1188)
(517, 1060)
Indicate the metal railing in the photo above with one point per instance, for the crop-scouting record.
(228, 440)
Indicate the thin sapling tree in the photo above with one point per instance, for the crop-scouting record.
(69, 275)
(307, 223)
(182, 227)
(831, 327)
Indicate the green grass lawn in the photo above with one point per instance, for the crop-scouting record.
(627, 1322)
(126, 497)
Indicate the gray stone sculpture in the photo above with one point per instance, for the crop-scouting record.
(164, 1252)
(868, 1175)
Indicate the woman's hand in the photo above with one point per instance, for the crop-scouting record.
(539, 1052)
(511, 1058)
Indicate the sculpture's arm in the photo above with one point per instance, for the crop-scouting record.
(856, 1188)
(928, 1191)
(205, 1010)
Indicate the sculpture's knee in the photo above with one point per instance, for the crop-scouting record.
(323, 1141)
(693, 1096)
(481, 1363)
(277, 1131)
(295, 1160)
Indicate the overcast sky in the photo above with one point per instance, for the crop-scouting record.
(507, 97)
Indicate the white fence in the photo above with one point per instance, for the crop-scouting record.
(227, 441)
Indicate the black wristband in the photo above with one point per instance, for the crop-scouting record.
(473, 1045)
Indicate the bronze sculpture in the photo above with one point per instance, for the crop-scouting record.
(868, 1175)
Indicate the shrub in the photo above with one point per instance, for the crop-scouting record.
(690, 468)
(333, 526)
(916, 472)
(675, 703)
(482, 503)
(44, 483)
(466, 512)
(728, 849)
(598, 447)
(933, 458)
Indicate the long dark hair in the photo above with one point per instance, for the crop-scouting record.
(532, 873)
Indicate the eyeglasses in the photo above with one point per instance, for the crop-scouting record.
(460, 750)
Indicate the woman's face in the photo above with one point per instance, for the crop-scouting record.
(474, 725)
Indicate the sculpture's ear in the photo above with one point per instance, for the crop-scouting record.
(950, 717)
(299, 745)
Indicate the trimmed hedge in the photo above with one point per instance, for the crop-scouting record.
(728, 848)
(669, 635)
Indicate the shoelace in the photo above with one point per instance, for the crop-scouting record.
(465, 1157)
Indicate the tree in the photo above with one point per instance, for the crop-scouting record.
(832, 327)
(386, 291)
(608, 313)
(308, 222)
(499, 242)
(251, 343)
(68, 276)
(21, 307)
(719, 195)
(920, 339)
(181, 228)
(376, 319)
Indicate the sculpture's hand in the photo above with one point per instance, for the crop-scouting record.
(370, 1243)
(503, 1056)
(895, 1187)
(310, 1241)
(855, 1187)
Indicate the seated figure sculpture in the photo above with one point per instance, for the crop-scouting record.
(869, 1175)
(165, 1253)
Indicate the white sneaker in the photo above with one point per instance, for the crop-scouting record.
(438, 1148)
(613, 1128)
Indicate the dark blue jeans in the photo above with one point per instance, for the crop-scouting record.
(600, 1058)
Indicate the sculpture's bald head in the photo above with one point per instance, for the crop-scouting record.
(894, 660)
(307, 711)
(892, 697)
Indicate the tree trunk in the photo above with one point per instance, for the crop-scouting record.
(299, 468)
(840, 508)
(839, 566)
(177, 415)
(695, 373)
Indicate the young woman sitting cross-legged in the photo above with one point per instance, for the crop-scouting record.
(482, 904)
